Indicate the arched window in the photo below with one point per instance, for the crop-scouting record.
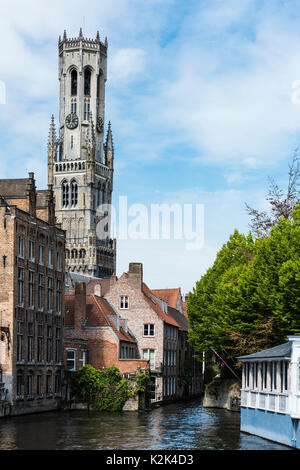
(82, 253)
(87, 82)
(74, 82)
(65, 194)
(74, 193)
(67, 254)
(74, 254)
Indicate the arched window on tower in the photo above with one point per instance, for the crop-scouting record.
(74, 193)
(87, 82)
(82, 253)
(74, 82)
(65, 194)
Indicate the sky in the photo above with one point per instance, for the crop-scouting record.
(203, 99)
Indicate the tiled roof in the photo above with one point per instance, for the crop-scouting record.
(283, 350)
(14, 187)
(98, 311)
(164, 316)
(179, 318)
(168, 295)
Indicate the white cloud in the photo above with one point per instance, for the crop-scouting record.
(126, 65)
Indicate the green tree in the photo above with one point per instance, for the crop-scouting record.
(250, 298)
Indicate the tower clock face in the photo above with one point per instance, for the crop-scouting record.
(100, 124)
(72, 121)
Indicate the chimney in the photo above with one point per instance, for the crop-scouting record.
(31, 194)
(79, 304)
(136, 273)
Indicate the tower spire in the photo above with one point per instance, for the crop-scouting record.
(109, 147)
(52, 140)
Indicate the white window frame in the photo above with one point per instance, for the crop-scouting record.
(123, 302)
(21, 246)
(147, 356)
(50, 258)
(31, 251)
(74, 359)
(147, 330)
(41, 252)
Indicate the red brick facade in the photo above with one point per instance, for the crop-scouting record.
(95, 334)
(32, 269)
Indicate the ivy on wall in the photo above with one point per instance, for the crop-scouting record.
(104, 390)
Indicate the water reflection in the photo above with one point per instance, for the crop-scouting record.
(177, 426)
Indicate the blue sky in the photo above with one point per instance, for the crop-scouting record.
(199, 94)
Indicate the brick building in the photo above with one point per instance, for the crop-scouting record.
(32, 265)
(95, 333)
(160, 330)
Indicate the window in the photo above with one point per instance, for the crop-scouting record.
(41, 292)
(21, 246)
(40, 343)
(48, 384)
(50, 258)
(86, 111)
(58, 296)
(65, 194)
(149, 354)
(30, 289)
(31, 251)
(38, 384)
(284, 369)
(265, 375)
(57, 345)
(29, 342)
(50, 294)
(255, 374)
(49, 344)
(57, 383)
(20, 341)
(58, 261)
(73, 111)
(20, 286)
(148, 329)
(74, 82)
(41, 255)
(29, 384)
(87, 82)
(19, 384)
(71, 359)
(82, 359)
(74, 193)
(124, 301)
(273, 375)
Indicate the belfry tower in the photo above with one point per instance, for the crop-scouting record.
(80, 158)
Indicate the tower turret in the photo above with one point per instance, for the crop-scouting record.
(82, 171)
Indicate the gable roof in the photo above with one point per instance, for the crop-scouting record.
(283, 350)
(170, 296)
(14, 187)
(98, 313)
(179, 318)
(149, 298)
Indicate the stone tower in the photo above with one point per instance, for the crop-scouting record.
(80, 158)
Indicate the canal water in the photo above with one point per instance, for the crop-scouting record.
(181, 426)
